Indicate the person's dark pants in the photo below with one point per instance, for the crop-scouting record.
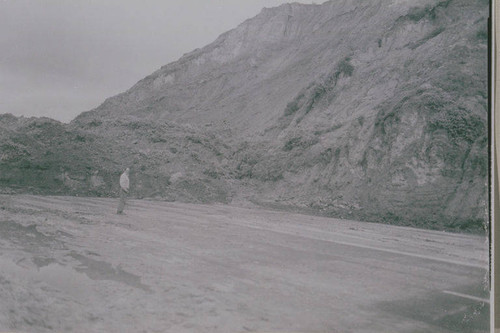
(121, 204)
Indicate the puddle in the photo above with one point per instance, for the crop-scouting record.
(66, 280)
(28, 237)
(101, 270)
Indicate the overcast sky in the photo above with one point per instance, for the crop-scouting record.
(59, 58)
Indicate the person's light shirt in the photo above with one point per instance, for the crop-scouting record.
(124, 182)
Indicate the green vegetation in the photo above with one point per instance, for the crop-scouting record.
(482, 34)
(416, 14)
(211, 173)
(135, 125)
(387, 118)
(459, 124)
(292, 143)
(295, 104)
(299, 142)
(470, 225)
(462, 83)
(432, 34)
(94, 123)
(317, 90)
(344, 67)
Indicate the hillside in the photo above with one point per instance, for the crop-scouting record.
(369, 110)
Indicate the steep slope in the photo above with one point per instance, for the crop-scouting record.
(372, 110)
(249, 74)
(397, 133)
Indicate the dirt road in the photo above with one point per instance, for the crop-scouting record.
(71, 264)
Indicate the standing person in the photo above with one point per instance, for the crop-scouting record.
(124, 186)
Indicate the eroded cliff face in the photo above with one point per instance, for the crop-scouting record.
(249, 74)
(372, 110)
(394, 132)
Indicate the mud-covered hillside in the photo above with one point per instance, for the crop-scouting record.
(368, 110)
(41, 155)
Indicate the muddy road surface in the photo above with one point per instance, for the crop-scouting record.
(70, 264)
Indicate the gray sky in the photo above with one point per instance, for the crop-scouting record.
(59, 58)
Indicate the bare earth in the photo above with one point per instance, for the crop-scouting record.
(70, 264)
